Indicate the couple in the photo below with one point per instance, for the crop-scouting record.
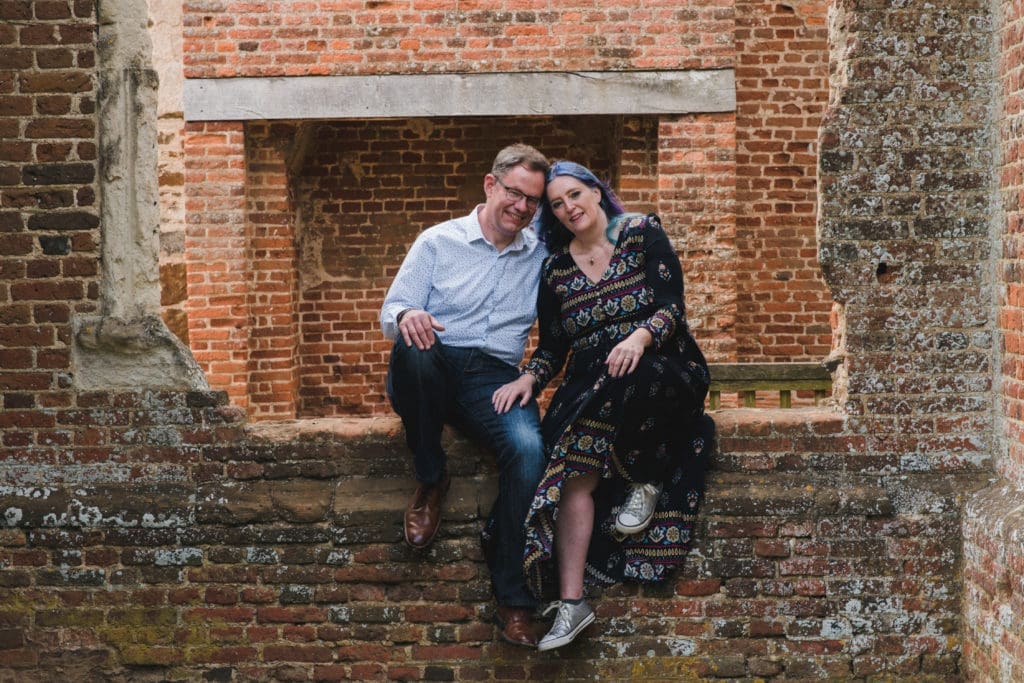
(607, 486)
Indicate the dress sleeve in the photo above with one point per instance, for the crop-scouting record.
(664, 276)
(553, 343)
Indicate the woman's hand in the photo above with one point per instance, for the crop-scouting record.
(624, 358)
(520, 390)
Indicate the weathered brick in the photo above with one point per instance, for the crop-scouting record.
(52, 9)
(58, 174)
(20, 10)
(60, 128)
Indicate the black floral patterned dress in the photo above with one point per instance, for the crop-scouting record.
(648, 426)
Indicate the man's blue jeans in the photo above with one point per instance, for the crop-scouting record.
(447, 384)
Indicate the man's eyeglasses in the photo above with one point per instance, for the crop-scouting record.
(516, 196)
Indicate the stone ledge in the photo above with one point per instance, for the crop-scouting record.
(730, 422)
(346, 471)
(807, 421)
(322, 429)
(377, 502)
(747, 440)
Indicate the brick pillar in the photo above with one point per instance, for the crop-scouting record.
(271, 302)
(215, 249)
(696, 200)
(783, 304)
(993, 604)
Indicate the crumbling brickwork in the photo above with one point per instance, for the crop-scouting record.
(905, 240)
(278, 555)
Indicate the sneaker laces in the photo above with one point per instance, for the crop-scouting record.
(634, 504)
(557, 604)
(563, 618)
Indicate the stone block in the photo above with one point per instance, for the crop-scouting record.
(302, 500)
(235, 503)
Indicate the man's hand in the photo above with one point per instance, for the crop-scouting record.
(517, 390)
(417, 327)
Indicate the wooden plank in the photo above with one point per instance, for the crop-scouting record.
(783, 372)
(746, 379)
(770, 385)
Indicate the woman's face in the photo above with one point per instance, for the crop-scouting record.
(575, 205)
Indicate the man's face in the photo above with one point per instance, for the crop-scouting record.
(511, 202)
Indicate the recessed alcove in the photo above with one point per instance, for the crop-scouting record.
(299, 221)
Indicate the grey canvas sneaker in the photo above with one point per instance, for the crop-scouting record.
(569, 621)
(636, 513)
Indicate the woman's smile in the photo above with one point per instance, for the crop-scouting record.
(577, 206)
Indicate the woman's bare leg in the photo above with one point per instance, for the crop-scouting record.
(573, 528)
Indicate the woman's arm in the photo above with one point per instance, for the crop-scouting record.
(664, 276)
(547, 359)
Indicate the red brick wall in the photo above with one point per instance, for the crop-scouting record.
(49, 222)
(342, 357)
(1011, 181)
(365, 191)
(217, 251)
(322, 37)
(352, 202)
(744, 207)
(146, 535)
(272, 302)
(696, 171)
(783, 304)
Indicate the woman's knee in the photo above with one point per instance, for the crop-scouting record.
(580, 484)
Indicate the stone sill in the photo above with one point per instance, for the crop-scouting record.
(809, 421)
(373, 472)
(795, 462)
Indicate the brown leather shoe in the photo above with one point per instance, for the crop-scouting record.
(423, 515)
(516, 626)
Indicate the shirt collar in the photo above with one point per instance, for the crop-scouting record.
(474, 232)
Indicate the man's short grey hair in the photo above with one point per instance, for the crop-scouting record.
(519, 154)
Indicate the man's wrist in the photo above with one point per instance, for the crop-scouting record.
(398, 318)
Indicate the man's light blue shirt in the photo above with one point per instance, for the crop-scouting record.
(485, 299)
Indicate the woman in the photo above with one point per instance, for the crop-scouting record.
(626, 433)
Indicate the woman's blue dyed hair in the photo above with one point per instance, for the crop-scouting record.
(550, 229)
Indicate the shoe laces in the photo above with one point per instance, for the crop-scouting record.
(563, 618)
(634, 504)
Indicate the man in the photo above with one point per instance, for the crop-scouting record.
(460, 310)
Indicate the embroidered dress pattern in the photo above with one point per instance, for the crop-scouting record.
(646, 426)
